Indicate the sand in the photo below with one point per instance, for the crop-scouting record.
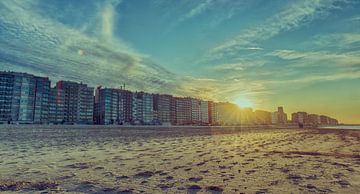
(178, 160)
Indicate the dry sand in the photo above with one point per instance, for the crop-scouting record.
(178, 160)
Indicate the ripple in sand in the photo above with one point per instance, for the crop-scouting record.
(343, 183)
(86, 187)
(215, 189)
(24, 185)
(295, 178)
(80, 165)
(145, 174)
(195, 179)
(121, 177)
(165, 186)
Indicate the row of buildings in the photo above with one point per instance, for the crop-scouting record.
(26, 98)
(312, 119)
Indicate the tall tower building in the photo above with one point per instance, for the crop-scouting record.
(162, 108)
(109, 106)
(24, 98)
(142, 108)
(78, 102)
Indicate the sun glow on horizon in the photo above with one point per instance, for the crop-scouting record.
(243, 102)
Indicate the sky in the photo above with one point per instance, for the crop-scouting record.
(303, 55)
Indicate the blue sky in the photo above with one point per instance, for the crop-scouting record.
(304, 55)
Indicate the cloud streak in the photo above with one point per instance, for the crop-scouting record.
(290, 18)
(33, 43)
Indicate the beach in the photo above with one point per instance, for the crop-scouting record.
(97, 159)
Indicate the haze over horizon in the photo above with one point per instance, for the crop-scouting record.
(303, 55)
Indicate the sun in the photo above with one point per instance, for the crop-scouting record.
(243, 102)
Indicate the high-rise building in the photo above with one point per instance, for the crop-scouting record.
(279, 117)
(162, 108)
(183, 112)
(324, 120)
(78, 102)
(195, 111)
(142, 108)
(333, 121)
(262, 117)
(42, 95)
(228, 113)
(299, 118)
(204, 112)
(313, 119)
(173, 111)
(212, 113)
(56, 106)
(109, 107)
(24, 98)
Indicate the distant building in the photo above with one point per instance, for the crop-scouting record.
(324, 120)
(313, 119)
(204, 112)
(142, 108)
(24, 98)
(78, 102)
(183, 112)
(128, 103)
(247, 116)
(212, 113)
(228, 113)
(56, 106)
(279, 117)
(195, 111)
(109, 106)
(262, 117)
(333, 121)
(299, 118)
(163, 108)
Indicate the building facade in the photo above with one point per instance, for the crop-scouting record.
(204, 112)
(262, 117)
(183, 111)
(195, 111)
(56, 106)
(109, 107)
(212, 113)
(279, 117)
(162, 108)
(78, 102)
(24, 98)
(313, 119)
(299, 118)
(142, 108)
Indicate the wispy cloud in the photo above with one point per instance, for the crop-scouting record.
(198, 9)
(298, 14)
(34, 43)
(50, 48)
(319, 58)
(108, 17)
(337, 41)
(229, 67)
